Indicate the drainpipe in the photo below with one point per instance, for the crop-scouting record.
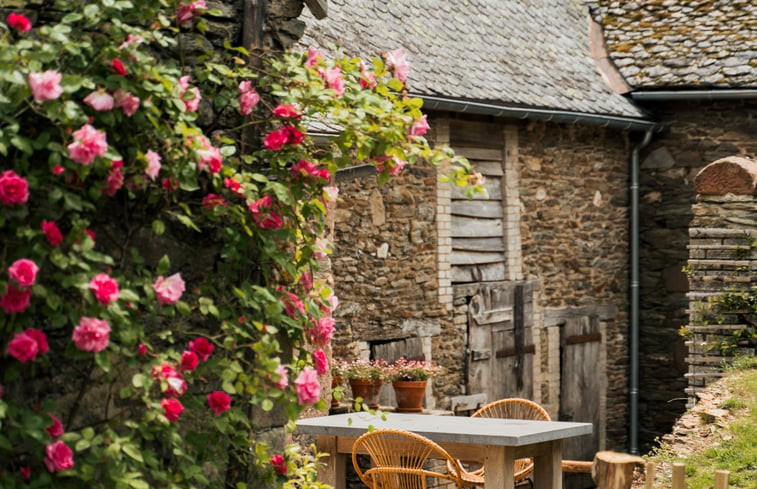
(634, 375)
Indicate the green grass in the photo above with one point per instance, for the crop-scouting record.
(733, 446)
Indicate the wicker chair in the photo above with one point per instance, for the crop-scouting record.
(398, 458)
(512, 408)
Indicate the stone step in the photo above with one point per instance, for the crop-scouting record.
(710, 328)
(707, 360)
(703, 375)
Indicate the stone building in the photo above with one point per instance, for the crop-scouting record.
(588, 120)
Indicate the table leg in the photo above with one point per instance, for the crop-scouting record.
(334, 473)
(548, 467)
(499, 465)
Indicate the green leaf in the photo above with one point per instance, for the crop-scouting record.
(187, 221)
(132, 451)
(88, 433)
(138, 484)
(128, 295)
(183, 308)
(22, 143)
(82, 444)
(266, 405)
(164, 265)
(158, 227)
(138, 380)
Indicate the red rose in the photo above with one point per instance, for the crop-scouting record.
(56, 429)
(13, 188)
(142, 349)
(172, 408)
(219, 402)
(189, 361)
(118, 67)
(52, 233)
(276, 140)
(105, 288)
(286, 111)
(279, 464)
(58, 456)
(19, 22)
(26, 345)
(15, 300)
(202, 347)
(294, 136)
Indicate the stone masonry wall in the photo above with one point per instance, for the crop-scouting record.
(574, 229)
(700, 132)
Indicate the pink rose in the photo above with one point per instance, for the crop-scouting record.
(322, 330)
(174, 382)
(202, 347)
(118, 67)
(322, 249)
(292, 303)
(13, 188)
(57, 170)
(91, 334)
(24, 272)
(19, 22)
(15, 300)
(397, 62)
(185, 12)
(286, 111)
(419, 128)
(279, 464)
(276, 140)
(58, 456)
(304, 168)
(193, 101)
(105, 288)
(330, 193)
(99, 100)
(320, 361)
(115, 179)
(189, 361)
(210, 156)
(25, 472)
(396, 166)
(153, 164)
(45, 85)
(234, 186)
(131, 39)
(219, 402)
(172, 408)
(56, 429)
(333, 79)
(308, 388)
(88, 144)
(268, 219)
(52, 233)
(283, 381)
(125, 101)
(248, 97)
(314, 57)
(211, 201)
(169, 290)
(26, 345)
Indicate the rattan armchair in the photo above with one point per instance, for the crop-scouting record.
(398, 458)
(512, 408)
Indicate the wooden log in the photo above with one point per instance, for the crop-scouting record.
(614, 470)
(649, 475)
(679, 476)
(721, 479)
(576, 466)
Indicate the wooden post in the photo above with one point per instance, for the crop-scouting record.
(679, 476)
(649, 475)
(613, 470)
(721, 479)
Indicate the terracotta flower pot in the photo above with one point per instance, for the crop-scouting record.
(368, 389)
(409, 395)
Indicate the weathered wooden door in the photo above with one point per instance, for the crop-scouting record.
(500, 344)
(580, 384)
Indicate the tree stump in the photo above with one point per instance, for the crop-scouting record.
(614, 470)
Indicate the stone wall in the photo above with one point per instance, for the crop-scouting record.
(574, 230)
(699, 132)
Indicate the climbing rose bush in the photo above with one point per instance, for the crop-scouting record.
(160, 227)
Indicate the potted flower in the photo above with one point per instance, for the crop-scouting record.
(337, 380)
(365, 378)
(409, 378)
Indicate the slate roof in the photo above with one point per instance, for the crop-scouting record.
(681, 43)
(532, 53)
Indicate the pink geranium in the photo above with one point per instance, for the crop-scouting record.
(169, 290)
(334, 80)
(88, 144)
(58, 456)
(202, 347)
(19, 22)
(105, 288)
(56, 429)
(26, 345)
(219, 402)
(308, 387)
(15, 300)
(45, 85)
(189, 361)
(190, 102)
(153, 164)
(320, 361)
(397, 62)
(24, 272)
(99, 100)
(283, 381)
(172, 409)
(248, 97)
(91, 334)
(52, 233)
(127, 102)
(13, 188)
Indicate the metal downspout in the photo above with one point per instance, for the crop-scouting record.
(634, 374)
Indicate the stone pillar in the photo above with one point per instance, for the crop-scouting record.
(722, 258)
